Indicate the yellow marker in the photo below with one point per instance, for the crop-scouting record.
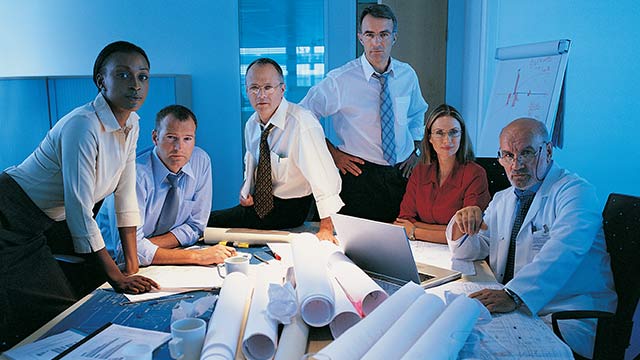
(241, 244)
(223, 243)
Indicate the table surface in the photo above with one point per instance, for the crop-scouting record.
(318, 337)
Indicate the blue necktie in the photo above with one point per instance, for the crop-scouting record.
(169, 212)
(387, 120)
(525, 198)
(263, 194)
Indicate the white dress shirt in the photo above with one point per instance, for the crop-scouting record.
(351, 96)
(84, 158)
(194, 194)
(300, 161)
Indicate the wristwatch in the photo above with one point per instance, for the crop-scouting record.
(516, 299)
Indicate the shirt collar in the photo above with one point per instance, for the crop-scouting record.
(278, 118)
(368, 69)
(106, 117)
(160, 171)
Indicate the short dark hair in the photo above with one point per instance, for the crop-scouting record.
(114, 47)
(465, 152)
(380, 11)
(180, 112)
(267, 61)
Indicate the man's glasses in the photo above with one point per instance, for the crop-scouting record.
(268, 89)
(371, 36)
(525, 156)
(441, 134)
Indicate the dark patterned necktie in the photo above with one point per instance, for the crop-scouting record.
(525, 197)
(388, 135)
(169, 211)
(263, 195)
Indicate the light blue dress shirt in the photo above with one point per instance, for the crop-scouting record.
(195, 193)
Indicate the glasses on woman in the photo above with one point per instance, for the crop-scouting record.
(441, 134)
(268, 89)
(525, 156)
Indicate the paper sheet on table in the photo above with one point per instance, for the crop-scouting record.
(364, 293)
(346, 314)
(356, 341)
(214, 235)
(261, 331)
(177, 279)
(407, 329)
(223, 331)
(110, 342)
(313, 286)
(45, 349)
(430, 253)
(293, 340)
(436, 342)
(512, 335)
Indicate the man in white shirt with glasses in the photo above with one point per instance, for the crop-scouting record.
(377, 111)
(543, 237)
(287, 163)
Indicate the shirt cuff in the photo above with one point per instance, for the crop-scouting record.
(146, 252)
(329, 205)
(129, 218)
(88, 244)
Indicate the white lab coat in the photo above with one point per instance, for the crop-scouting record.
(561, 260)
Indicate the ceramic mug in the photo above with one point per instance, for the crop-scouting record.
(238, 263)
(188, 337)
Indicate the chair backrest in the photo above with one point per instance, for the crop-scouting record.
(621, 222)
(495, 174)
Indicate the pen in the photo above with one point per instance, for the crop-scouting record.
(260, 258)
(234, 244)
(464, 238)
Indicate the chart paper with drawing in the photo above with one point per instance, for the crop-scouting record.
(527, 83)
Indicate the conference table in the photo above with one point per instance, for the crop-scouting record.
(515, 335)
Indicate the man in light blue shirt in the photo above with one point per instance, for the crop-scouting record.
(377, 112)
(173, 156)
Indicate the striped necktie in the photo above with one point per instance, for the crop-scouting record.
(263, 195)
(387, 133)
(525, 198)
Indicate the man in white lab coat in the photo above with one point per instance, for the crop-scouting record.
(543, 236)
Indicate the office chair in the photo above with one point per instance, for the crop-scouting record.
(621, 222)
(495, 174)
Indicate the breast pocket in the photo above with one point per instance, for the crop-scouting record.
(279, 168)
(401, 108)
(538, 239)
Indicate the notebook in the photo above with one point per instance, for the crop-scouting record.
(382, 250)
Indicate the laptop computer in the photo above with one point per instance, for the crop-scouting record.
(382, 250)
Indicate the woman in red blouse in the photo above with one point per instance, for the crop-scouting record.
(446, 179)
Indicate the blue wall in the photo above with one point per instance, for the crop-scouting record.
(602, 78)
(198, 37)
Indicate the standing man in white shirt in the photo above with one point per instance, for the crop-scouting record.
(166, 229)
(377, 110)
(286, 161)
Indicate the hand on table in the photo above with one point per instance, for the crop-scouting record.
(134, 284)
(409, 227)
(325, 234)
(214, 254)
(496, 301)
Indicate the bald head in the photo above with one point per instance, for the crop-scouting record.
(525, 152)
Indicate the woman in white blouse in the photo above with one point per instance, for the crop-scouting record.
(88, 154)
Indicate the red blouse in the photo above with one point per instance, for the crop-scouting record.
(427, 202)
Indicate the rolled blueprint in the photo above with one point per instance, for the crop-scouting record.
(356, 341)
(409, 327)
(313, 286)
(436, 343)
(364, 293)
(293, 340)
(221, 340)
(214, 235)
(261, 331)
(346, 314)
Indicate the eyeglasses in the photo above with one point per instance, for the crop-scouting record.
(441, 134)
(371, 36)
(268, 89)
(525, 156)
